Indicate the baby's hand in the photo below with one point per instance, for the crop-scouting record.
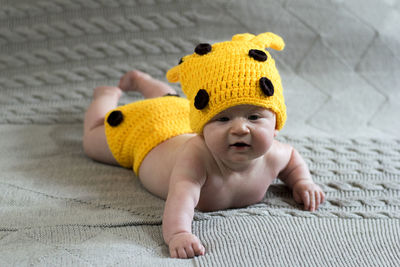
(308, 193)
(185, 245)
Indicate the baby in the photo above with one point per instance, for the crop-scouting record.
(214, 150)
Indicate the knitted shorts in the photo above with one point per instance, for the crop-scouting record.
(135, 129)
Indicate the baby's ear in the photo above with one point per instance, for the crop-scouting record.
(269, 39)
(173, 74)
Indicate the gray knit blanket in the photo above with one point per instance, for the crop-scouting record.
(340, 72)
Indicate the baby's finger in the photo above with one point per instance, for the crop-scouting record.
(297, 197)
(173, 253)
(312, 201)
(306, 200)
(182, 253)
(317, 199)
(322, 197)
(189, 252)
(198, 249)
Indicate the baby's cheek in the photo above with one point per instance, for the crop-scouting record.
(214, 139)
(265, 139)
(213, 144)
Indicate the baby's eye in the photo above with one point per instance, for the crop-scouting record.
(222, 119)
(254, 117)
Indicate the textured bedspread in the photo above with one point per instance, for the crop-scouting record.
(340, 71)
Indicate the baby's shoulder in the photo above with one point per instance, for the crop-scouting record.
(194, 147)
(192, 159)
(279, 154)
(278, 147)
(195, 144)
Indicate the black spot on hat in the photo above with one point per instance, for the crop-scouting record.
(115, 118)
(266, 86)
(201, 99)
(258, 55)
(180, 61)
(202, 49)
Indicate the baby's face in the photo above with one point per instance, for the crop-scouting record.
(240, 133)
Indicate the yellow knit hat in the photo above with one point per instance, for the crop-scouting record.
(231, 73)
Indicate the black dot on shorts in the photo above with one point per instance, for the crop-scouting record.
(201, 99)
(266, 86)
(115, 118)
(202, 49)
(258, 55)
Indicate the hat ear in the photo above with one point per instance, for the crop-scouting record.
(173, 74)
(269, 39)
(243, 37)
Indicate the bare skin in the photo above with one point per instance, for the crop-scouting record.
(230, 165)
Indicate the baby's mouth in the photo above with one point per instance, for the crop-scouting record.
(240, 144)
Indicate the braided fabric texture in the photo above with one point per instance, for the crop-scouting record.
(340, 72)
(62, 209)
(146, 124)
(229, 75)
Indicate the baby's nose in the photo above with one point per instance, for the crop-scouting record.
(239, 127)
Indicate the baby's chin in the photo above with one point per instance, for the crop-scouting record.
(242, 155)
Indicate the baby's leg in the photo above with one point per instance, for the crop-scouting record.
(145, 84)
(105, 98)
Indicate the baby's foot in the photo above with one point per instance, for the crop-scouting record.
(149, 87)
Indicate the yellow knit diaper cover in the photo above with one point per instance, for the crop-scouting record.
(134, 129)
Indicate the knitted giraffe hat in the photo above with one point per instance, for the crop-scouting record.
(226, 74)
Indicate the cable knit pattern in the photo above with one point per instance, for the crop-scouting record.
(74, 45)
(339, 71)
(86, 209)
(96, 25)
(100, 50)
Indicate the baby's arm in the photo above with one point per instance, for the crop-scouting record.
(188, 176)
(297, 176)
